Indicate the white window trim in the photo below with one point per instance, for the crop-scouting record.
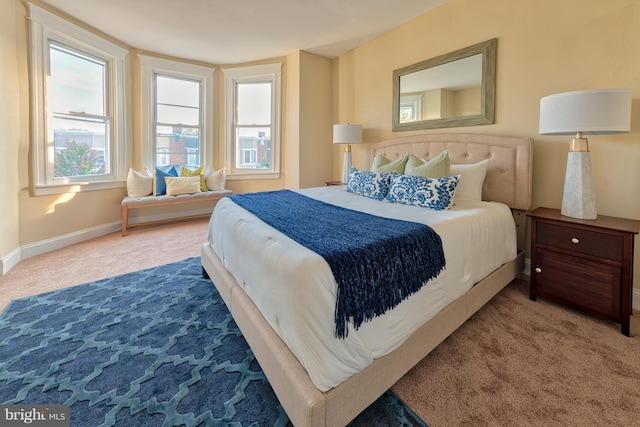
(46, 26)
(273, 73)
(415, 102)
(149, 66)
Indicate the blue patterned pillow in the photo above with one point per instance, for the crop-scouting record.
(368, 184)
(161, 173)
(432, 193)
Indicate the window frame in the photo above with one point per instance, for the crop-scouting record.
(252, 74)
(414, 102)
(45, 27)
(151, 66)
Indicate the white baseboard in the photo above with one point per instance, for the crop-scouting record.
(63, 241)
(635, 293)
(10, 261)
(59, 242)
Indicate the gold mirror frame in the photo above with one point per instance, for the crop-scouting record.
(487, 88)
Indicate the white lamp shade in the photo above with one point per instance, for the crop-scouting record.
(347, 134)
(592, 112)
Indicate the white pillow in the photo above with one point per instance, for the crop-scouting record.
(470, 185)
(139, 184)
(182, 185)
(215, 179)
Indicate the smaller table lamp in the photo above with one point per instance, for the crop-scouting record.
(583, 112)
(347, 134)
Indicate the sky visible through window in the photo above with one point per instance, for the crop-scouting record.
(76, 84)
(77, 122)
(254, 104)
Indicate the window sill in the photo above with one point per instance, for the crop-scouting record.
(241, 176)
(76, 187)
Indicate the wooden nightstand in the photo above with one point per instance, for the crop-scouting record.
(584, 264)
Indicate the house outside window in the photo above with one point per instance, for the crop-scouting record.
(177, 111)
(78, 98)
(252, 138)
(163, 157)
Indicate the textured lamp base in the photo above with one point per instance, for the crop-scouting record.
(578, 199)
(346, 166)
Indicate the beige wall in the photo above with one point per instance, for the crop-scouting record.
(544, 47)
(11, 110)
(316, 121)
(27, 220)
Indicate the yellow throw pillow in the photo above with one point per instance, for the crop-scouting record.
(182, 185)
(198, 172)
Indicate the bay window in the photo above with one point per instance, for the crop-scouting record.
(78, 126)
(252, 138)
(177, 113)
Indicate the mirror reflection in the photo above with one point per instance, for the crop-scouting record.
(456, 89)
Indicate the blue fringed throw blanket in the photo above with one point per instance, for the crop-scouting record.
(377, 262)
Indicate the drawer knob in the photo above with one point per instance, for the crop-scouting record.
(538, 270)
(575, 240)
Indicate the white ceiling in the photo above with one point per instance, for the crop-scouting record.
(235, 31)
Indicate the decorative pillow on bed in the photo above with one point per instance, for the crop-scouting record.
(197, 172)
(368, 184)
(383, 165)
(472, 179)
(215, 179)
(432, 193)
(139, 184)
(161, 173)
(437, 167)
(182, 185)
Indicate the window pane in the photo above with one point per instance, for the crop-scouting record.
(177, 101)
(177, 146)
(254, 148)
(80, 148)
(254, 103)
(77, 127)
(76, 82)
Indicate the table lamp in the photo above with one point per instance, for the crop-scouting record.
(583, 112)
(347, 134)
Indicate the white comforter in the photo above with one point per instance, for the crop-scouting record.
(295, 290)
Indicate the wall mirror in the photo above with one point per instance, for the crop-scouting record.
(454, 89)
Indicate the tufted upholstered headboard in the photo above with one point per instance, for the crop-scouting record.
(508, 177)
(508, 174)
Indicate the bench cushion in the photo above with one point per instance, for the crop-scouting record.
(131, 201)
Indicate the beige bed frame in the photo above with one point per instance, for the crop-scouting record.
(508, 181)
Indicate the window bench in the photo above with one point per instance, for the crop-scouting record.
(150, 201)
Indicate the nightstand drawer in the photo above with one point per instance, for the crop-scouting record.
(587, 242)
(585, 264)
(578, 282)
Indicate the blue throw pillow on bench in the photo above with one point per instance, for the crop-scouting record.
(161, 173)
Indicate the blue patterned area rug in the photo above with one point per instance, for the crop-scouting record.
(157, 347)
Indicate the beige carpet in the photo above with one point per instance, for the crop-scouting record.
(103, 257)
(515, 363)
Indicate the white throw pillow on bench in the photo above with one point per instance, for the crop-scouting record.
(139, 184)
(182, 185)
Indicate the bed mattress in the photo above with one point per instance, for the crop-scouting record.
(295, 290)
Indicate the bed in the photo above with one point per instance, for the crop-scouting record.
(310, 390)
